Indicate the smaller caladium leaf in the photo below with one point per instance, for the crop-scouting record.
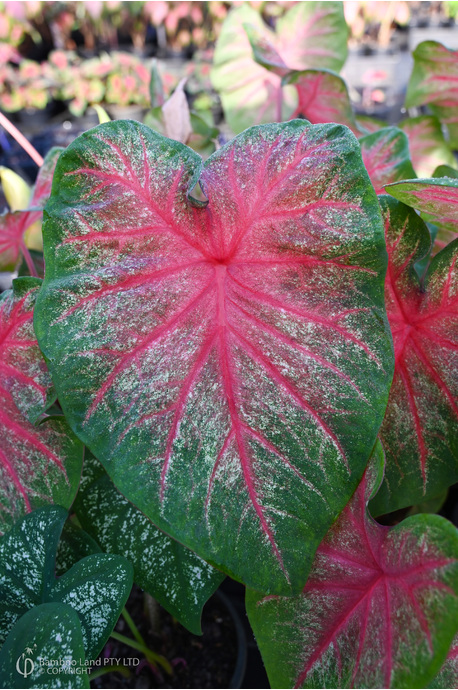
(74, 544)
(420, 429)
(250, 93)
(322, 97)
(176, 114)
(445, 171)
(433, 82)
(47, 634)
(14, 225)
(39, 463)
(427, 144)
(380, 607)
(448, 675)
(386, 157)
(436, 199)
(264, 52)
(309, 35)
(175, 576)
(96, 587)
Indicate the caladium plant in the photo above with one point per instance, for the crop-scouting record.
(250, 84)
(233, 383)
(367, 617)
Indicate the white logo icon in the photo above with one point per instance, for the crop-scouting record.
(25, 665)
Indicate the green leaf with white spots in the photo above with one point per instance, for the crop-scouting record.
(45, 634)
(74, 544)
(175, 576)
(380, 607)
(96, 587)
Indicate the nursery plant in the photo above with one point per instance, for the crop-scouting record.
(231, 368)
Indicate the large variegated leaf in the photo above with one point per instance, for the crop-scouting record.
(386, 157)
(436, 199)
(96, 587)
(309, 35)
(427, 144)
(39, 463)
(175, 576)
(15, 224)
(45, 650)
(228, 364)
(433, 81)
(420, 429)
(379, 609)
(322, 97)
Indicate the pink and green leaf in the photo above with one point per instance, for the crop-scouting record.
(386, 157)
(322, 97)
(434, 81)
(420, 429)
(448, 675)
(14, 225)
(379, 610)
(39, 463)
(437, 201)
(250, 93)
(309, 35)
(427, 144)
(238, 403)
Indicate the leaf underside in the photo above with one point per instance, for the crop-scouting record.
(420, 429)
(379, 609)
(38, 463)
(238, 403)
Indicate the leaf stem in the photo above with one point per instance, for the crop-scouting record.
(132, 627)
(151, 656)
(28, 260)
(21, 140)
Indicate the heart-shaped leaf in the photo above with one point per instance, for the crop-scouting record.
(420, 429)
(223, 406)
(175, 576)
(379, 609)
(433, 82)
(386, 157)
(436, 199)
(322, 97)
(427, 144)
(96, 587)
(13, 225)
(309, 35)
(38, 463)
(45, 650)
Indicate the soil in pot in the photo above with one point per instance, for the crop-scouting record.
(207, 661)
